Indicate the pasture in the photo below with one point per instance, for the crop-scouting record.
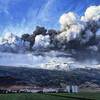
(50, 96)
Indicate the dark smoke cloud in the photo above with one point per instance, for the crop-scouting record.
(75, 32)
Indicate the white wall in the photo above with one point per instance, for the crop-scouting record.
(74, 88)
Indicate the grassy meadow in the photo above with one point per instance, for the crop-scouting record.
(50, 96)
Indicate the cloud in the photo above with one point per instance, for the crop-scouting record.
(81, 29)
(42, 41)
(92, 13)
(68, 19)
(71, 26)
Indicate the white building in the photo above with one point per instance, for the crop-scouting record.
(47, 90)
(72, 88)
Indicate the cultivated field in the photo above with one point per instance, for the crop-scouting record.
(52, 96)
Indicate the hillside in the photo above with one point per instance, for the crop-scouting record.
(42, 77)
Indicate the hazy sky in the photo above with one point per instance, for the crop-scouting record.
(21, 16)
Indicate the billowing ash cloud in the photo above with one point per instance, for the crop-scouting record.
(41, 41)
(68, 19)
(81, 29)
(71, 26)
(75, 32)
(92, 13)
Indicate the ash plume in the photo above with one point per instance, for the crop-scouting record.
(76, 32)
(80, 31)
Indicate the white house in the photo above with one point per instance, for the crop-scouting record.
(47, 90)
(72, 88)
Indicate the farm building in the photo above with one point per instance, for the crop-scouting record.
(72, 88)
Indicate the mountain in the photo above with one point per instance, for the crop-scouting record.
(42, 77)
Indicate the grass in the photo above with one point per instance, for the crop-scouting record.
(30, 97)
(95, 96)
(51, 96)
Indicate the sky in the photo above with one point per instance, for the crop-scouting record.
(22, 16)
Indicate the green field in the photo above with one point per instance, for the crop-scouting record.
(52, 96)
